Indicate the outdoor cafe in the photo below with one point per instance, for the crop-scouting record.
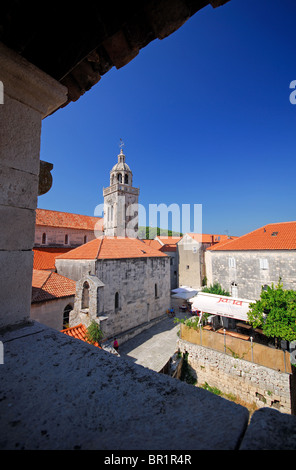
(227, 315)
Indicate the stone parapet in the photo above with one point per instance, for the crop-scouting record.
(58, 392)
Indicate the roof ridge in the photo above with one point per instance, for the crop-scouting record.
(46, 280)
(99, 249)
(71, 213)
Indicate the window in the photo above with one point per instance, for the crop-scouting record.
(44, 239)
(126, 179)
(116, 301)
(263, 263)
(85, 239)
(155, 291)
(187, 267)
(119, 177)
(66, 239)
(66, 316)
(85, 296)
(232, 263)
(234, 289)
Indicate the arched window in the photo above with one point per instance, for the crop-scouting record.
(85, 296)
(66, 239)
(66, 315)
(119, 177)
(126, 179)
(85, 239)
(155, 290)
(234, 289)
(116, 301)
(44, 239)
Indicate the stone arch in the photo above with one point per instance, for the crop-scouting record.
(85, 295)
(66, 315)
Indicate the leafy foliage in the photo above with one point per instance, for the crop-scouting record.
(93, 333)
(216, 289)
(275, 312)
(151, 232)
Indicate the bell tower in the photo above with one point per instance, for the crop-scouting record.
(121, 202)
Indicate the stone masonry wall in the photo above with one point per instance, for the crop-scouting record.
(249, 273)
(250, 382)
(134, 280)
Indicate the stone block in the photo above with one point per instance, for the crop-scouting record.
(19, 136)
(16, 286)
(16, 228)
(18, 188)
(270, 430)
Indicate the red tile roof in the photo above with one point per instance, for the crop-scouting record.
(67, 220)
(164, 244)
(278, 236)
(169, 243)
(153, 243)
(47, 285)
(79, 332)
(208, 238)
(112, 248)
(44, 258)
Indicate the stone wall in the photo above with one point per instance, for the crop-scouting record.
(189, 256)
(51, 313)
(143, 286)
(29, 96)
(250, 382)
(249, 272)
(75, 269)
(55, 236)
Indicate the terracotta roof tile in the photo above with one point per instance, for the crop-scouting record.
(47, 285)
(79, 332)
(67, 220)
(278, 236)
(44, 258)
(153, 243)
(164, 244)
(208, 238)
(169, 243)
(112, 248)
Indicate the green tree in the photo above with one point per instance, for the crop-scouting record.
(275, 312)
(216, 289)
(93, 333)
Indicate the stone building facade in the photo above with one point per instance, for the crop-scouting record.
(64, 229)
(255, 260)
(126, 282)
(191, 257)
(122, 282)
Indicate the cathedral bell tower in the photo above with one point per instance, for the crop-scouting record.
(121, 202)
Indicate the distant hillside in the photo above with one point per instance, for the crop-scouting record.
(152, 232)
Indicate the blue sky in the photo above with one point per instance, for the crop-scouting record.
(205, 117)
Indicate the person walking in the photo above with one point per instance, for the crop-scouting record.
(115, 344)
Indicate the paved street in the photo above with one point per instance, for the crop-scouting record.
(154, 347)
